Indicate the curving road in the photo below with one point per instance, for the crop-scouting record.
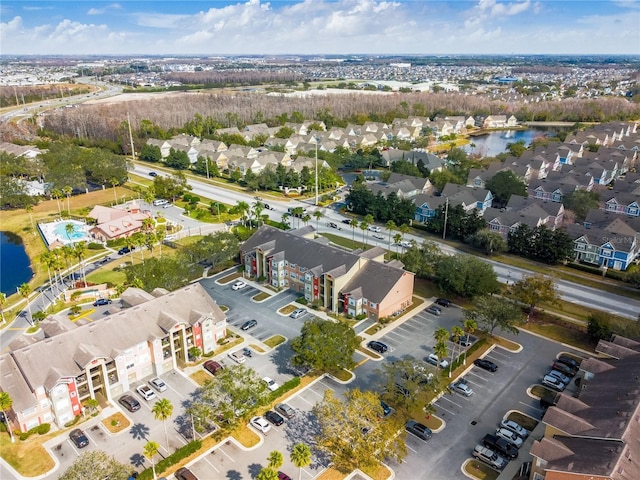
(569, 291)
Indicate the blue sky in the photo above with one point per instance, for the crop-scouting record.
(320, 27)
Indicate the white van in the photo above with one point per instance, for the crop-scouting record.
(159, 201)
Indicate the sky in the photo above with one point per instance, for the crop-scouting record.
(315, 27)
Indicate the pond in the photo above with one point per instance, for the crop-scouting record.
(493, 143)
(15, 268)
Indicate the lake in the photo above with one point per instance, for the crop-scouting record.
(493, 143)
(15, 268)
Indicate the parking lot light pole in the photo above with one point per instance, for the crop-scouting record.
(193, 428)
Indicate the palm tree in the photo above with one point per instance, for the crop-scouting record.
(150, 451)
(441, 351)
(275, 460)
(441, 335)
(69, 229)
(363, 226)
(67, 253)
(244, 209)
(391, 226)
(285, 220)
(5, 404)
(114, 183)
(25, 291)
(29, 209)
(150, 240)
(160, 234)
(162, 410)
(306, 219)
(301, 457)
(258, 208)
(470, 326)
(80, 249)
(354, 224)
(397, 238)
(138, 240)
(318, 215)
(456, 333)
(67, 191)
(48, 259)
(404, 229)
(3, 302)
(57, 194)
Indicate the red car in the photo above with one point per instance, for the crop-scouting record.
(212, 366)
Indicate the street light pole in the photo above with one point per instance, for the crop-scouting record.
(193, 427)
(316, 171)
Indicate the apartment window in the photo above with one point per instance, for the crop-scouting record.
(611, 207)
(633, 211)
(292, 265)
(364, 301)
(293, 276)
(303, 270)
(606, 253)
(580, 246)
(287, 263)
(72, 394)
(130, 365)
(373, 305)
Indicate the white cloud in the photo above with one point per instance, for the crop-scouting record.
(102, 11)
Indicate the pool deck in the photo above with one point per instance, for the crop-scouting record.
(50, 236)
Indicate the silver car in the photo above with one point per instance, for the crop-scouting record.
(158, 384)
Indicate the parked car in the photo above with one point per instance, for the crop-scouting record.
(433, 311)
(488, 456)
(260, 424)
(283, 476)
(432, 358)
(378, 236)
(298, 312)
(462, 388)
(553, 382)
(464, 340)
(184, 474)
(125, 250)
(377, 346)
(563, 368)
(510, 436)
(78, 438)
(443, 302)
(516, 427)
(560, 376)
(569, 361)
(212, 366)
(130, 403)
(418, 429)
(285, 410)
(274, 418)
(271, 384)
(158, 384)
(238, 357)
(238, 285)
(500, 445)
(485, 364)
(386, 409)
(248, 324)
(145, 392)
(102, 301)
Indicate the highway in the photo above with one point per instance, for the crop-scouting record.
(569, 291)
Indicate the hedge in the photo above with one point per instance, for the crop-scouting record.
(164, 464)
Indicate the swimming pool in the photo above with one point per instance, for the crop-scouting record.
(57, 231)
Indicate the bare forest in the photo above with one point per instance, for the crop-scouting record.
(232, 77)
(105, 121)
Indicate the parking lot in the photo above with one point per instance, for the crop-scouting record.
(467, 419)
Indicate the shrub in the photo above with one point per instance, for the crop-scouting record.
(3, 427)
(361, 316)
(44, 428)
(598, 328)
(189, 449)
(302, 301)
(95, 246)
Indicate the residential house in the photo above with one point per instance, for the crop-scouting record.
(191, 151)
(429, 160)
(550, 214)
(115, 223)
(185, 140)
(26, 151)
(213, 145)
(427, 206)
(50, 380)
(163, 145)
(358, 283)
(499, 121)
(593, 435)
(504, 222)
(470, 198)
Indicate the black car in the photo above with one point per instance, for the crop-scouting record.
(500, 445)
(386, 409)
(377, 346)
(564, 368)
(184, 474)
(78, 437)
(124, 250)
(486, 364)
(464, 340)
(249, 324)
(274, 418)
(569, 361)
(101, 301)
(347, 221)
(153, 174)
(443, 302)
(418, 429)
(130, 403)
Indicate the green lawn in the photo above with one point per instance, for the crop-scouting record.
(107, 275)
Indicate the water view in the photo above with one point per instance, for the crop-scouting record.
(494, 143)
(15, 268)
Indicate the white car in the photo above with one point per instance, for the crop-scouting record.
(238, 357)
(146, 392)
(374, 228)
(462, 388)
(271, 384)
(260, 424)
(560, 376)
(238, 285)
(379, 236)
(432, 358)
(510, 436)
(553, 382)
(158, 384)
(511, 425)
(405, 244)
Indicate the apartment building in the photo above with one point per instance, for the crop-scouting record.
(50, 379)
(354, 283)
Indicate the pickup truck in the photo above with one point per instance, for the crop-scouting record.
(500, 445)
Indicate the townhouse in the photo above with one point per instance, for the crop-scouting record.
(115, 223)
(49, 380)
(355, 283)
(594, 434)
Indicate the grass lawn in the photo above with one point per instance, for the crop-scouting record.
(116, 423)
(230, 278)
(346, 242)
(274, 341)
(107, 275)
(480, 470)
(287, 309)
(260, 297)
(523, 420)
(559, 330)
(379, 472)
(28, 457)
(245, 436)
(200, 377)
(343, 375)
(540, 391)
